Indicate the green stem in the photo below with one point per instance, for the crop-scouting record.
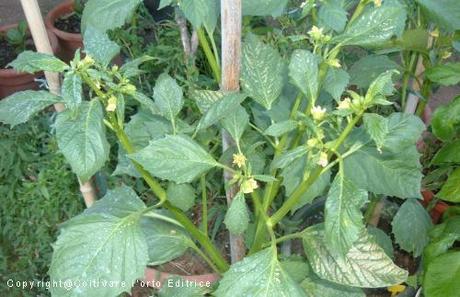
(204, 205)
(203, 255)
(405, 82)
(358, 11)
(209, 55)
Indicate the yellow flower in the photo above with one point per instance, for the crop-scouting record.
(318, 113)
(396, 289)
(313, 142)
(322, 160)
(239, 160)
(378, 3)
(344, 104)
(129, 89)
(88, 60)
(446, 55)
(334, 63)
(111, 104)
(249, 185)
(316, 33)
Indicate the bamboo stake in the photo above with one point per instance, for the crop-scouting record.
(42, 44)
(231, 57)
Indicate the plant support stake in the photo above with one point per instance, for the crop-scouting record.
(231, 57)
(42, 43)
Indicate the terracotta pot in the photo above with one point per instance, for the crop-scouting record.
(12, 81)
(438, 210)
(156, 279)
(69, 42)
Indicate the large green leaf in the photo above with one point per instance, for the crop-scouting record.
(375, 25)
(165, 241)
(264, 7)
(104, 244)
(72, 90)
(343, 217)
(262, 75)
(410, 227)
(368, 68)
(81, 138)
(181, 195)
(332, 15)
(303, 71)
(131, 68)
(442, 275)
(443, 237)
(382, 239)
(177, 158)
(377, 128)
(32, 62)
(99, 46)
(450, 191)
(393, 169)
(336, 82)
(230, 103)
(445, 13)
(205, 98)
(21, 106)
(278, 129)
(236, 123)
(237, 216)
(259, 275)
(201, 12)
(445, 74)
(365, 265)
(168, 97)
(446, 119)
(107, 14)
(449, 153)
(315, 287)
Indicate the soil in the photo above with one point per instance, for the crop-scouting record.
(69, 23)
(8, 52)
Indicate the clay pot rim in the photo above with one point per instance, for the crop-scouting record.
(59, 10)
(8, 72)
(152, 275)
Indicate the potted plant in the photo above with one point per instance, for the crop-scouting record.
(14, 39)
(64, 21)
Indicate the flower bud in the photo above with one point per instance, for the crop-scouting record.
(322, 160)
(249, 185)
(318, 113)
(111, 104)
(239, 160)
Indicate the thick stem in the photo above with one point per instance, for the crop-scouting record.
(209, 54)
(204, 205)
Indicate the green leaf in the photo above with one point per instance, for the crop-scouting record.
(382, 239)
(176, 158)
(236, 123)
(181, 195)
(296, 267)
(258, 275)
(264, 178)
(146, 102)
(410, 227)
(237, 216)
(343, 220)
(72, 90)
(442, 275)
(81, 138)
(336, 82)
(450, 191)
(228, 104)
(395, 170)
(368, 68)
(169, 289)
(32, 62)
(377, 127)
(164, 3)
(99, 46)
(168, 96)
(21, 106)
(381, 87)
(449, 153)
(332, 15)
(165, 241)
(262, 74)
(131, 68)
(104, 244)
(278, 129)
(315, 287)
(375, 25)
(288, 157)
(107, 14)
(444, 74)
(303, 71)
(205, 98)
(443, 237)
(201, 12)
(446, 119)
(264, 7)
(445, 13)
(366, 265)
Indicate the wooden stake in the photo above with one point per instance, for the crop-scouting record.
(231, 57)
(42, 44)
